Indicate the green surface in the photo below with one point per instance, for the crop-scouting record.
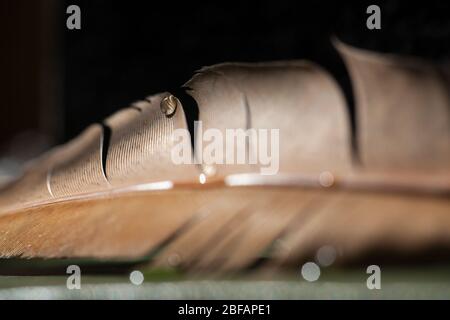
(213, 289)
(397, 283)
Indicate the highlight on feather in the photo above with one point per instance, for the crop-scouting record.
(115, 193)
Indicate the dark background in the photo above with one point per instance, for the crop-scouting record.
(55, 81)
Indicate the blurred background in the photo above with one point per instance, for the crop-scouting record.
(54, 81)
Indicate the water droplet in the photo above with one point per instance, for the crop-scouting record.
(310, 271)
(136, 277)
